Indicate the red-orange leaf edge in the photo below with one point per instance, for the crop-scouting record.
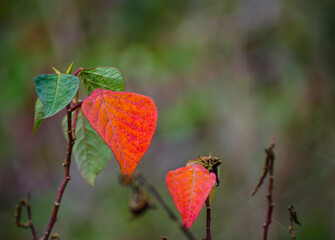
(189, 187)
(126, 122)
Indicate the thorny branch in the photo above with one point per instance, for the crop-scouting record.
(29, 224)
(293, 218)
(267, 168)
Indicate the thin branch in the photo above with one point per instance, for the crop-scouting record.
(208, 220)
(268, 168)
(265, 170)
(293, 218)
(29, 224)
(154, 192)
(67, 177)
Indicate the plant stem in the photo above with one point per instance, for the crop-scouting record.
(76, 106)
(267, 168)
(154, 192)
(293, 218)
(271, 157)
(291, 229)
(33, 231)
(67, 177)
(208, 220)
(26, 203)
(78, 70)
(75, 117)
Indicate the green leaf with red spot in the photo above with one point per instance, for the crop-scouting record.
(125, 121)
(189, 187)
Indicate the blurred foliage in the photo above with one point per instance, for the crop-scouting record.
(226, 77)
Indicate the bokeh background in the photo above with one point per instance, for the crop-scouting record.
(226, 76)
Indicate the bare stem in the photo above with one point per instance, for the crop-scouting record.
(29, 224)
(291, 229)
(154, 192)
(271, 157)
(67, 177)
(267, 168)
(208, 220)
(293, 218)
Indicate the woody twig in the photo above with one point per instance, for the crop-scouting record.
(25, 203)
(268, 168)
(293, 218)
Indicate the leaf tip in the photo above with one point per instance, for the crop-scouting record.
(92, 182)
(33, 132)
(90, 178)
(127, 178)
(69, 70)
(56, 71)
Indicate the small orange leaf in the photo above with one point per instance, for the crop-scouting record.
(189, 187)
(125, 121)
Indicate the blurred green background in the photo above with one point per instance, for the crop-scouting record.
(226, 76)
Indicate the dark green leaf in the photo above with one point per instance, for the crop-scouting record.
(55, 91)
(108, 78)
(91, 153)
(39, 112)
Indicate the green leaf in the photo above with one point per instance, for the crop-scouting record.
(91, 153)
(55, 91)
(108, 78)
(39, 111)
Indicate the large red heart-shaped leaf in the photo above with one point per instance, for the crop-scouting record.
(189, 187)
(126, 122)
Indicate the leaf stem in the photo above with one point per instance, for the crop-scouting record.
(75, 117)
(67, 177)
(78, 70)
(166, 207)
(76, 106)
(208, 220)
(18, 210)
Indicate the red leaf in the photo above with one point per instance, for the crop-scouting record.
(189, 187)
(126, 122)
